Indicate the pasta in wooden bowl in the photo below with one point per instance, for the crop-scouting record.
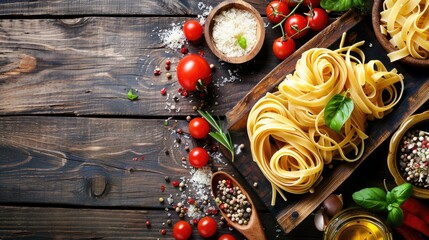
(402, 28)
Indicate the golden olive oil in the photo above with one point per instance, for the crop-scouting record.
(357, 224)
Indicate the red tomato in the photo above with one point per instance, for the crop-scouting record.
(226, 236)
(291, 3)
(294, 24)
(318, 19)
(283, 47)
(207, 227)
(313, 3)
(198, 157)
(276, 11)
(182, 230)
(192, 30)
(199, 128)
(191, 69)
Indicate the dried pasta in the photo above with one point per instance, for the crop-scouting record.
(288, 137)
(407, 23)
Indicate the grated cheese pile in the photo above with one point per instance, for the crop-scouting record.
(228, 26)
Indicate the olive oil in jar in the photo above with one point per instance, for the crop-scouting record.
(357, 224)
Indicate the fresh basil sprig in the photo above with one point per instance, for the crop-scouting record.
(242, 42)
(337, 111)
(377, 200)
(342, 5)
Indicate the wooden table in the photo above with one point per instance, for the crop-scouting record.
(78, 159)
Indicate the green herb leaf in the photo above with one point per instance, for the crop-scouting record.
(242, 42)
(373, 199)
(395, 216)
(132, 95)
(402, 192)
(222, 137)
(338, 111)
(342, 5)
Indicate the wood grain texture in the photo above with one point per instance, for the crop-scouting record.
(116, 7)
(289, 214)
(86, 68)
(92, 161)
(83, 223)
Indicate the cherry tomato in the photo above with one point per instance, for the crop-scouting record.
(198, 157)
(276, 11)
(291, 3)
(207, 227)
(182, 230)
(313, 3)
(226, 236)
(199, 128)
(191, 69)
(318, 19)
(296, 23)
(283, 47)
(192, 30)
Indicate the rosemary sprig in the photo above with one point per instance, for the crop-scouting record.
(222, 137)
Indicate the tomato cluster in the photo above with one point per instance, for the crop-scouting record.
(294, 25)
(207, 227)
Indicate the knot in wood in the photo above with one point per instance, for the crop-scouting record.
(98, 185)
(27, 63)
(73, 22)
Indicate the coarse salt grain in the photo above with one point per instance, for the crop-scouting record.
(231, 24)
(173, 38)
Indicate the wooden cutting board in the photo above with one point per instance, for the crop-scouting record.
(292, 212)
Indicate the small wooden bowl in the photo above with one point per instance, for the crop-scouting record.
(260, 30)
(417, 121)
(384, 41)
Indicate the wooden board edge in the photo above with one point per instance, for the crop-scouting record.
(237, 116)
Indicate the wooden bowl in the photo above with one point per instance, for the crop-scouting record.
(417, 121)
(384, 40)
(260, 30)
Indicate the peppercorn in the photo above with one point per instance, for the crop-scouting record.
(163, 91)
(167, 179)
(169, 222)
(148, 223)
(163, 231)
(175, 183)
(161, 199)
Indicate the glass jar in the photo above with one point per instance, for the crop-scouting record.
(357, 224)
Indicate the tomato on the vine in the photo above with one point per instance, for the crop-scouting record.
(207, 227)
(193, 72)
(296, 26)
(313, 3)
(192, 30)
(276, 11)
(182, 230)
(317, 19)
(226, 236)
(199, 128)
(283, 47)
(291, 3)
(198, 157)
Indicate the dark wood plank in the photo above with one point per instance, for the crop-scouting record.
(94, 161)
(416, 93)
(116, 7)
(77, 223)
(87, 67)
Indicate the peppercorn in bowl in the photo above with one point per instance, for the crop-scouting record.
(408, 158)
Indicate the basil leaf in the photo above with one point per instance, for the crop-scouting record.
(402, 192)
(242, 42)
(342, 5)
(373, 199)
(390, 197)
(395, 216)
(338, 111)
(132, 95)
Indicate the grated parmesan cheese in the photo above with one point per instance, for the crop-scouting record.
(228, 26)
